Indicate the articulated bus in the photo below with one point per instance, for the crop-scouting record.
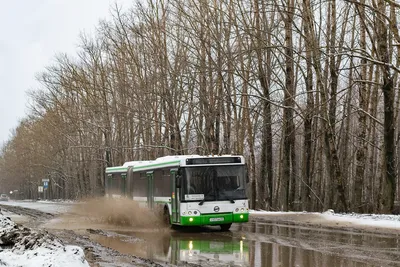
(192, 190)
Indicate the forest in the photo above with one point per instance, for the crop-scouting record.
(306, 90)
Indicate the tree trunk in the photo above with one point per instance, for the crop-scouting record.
(389, 171)
(289, 159)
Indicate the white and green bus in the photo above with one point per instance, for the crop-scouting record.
(192, 190)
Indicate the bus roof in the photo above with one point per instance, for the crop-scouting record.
(170, 161)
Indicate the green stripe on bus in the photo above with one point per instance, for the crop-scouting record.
(155, 165)
(240, 217)
(116, 169)
(215, 219)
(162, 201)
(111, 169)
(205, 219)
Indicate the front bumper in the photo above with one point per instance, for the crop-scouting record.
(214, 219)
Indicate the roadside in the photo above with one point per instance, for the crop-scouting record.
(107, 240)
(81, 227)
(22, 246)
(95, 253)
(372, 223)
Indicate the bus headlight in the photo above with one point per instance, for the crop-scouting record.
(242, 209)
(237, 209)
(190, 219)
(191, 213)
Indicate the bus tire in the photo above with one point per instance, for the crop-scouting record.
(225, 227)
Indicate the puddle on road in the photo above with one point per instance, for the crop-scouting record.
(280, 245)
(175, 247)
(258, 245)
(250, 244)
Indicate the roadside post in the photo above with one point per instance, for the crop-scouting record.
(40, 190)
(45, 187)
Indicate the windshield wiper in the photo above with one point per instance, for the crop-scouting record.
(230, 197)
(204, 199)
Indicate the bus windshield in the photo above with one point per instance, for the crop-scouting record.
(214, 183)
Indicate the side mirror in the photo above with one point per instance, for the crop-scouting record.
(246, 175)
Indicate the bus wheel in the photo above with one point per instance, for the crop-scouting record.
(167, 218)
(225, 227)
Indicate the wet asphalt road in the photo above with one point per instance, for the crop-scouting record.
(257, 243)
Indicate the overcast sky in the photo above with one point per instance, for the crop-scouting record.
(32, 32)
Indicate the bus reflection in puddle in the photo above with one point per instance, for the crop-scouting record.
(177, 247)
(217, 251)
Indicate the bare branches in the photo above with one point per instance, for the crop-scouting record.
(295, 86)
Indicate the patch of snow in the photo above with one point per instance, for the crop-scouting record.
(264, 212)
(6, 224)
(56, 201)
(22, 246)
(50, 207)
(375, 220)
(67, 256)
(330, 211)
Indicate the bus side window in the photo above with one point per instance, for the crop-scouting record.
(139, 184)
(160, 189)
(165, 183)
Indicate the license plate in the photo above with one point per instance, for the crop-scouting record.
(216, 219)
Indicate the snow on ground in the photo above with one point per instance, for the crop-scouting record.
(44, 206)
(375, 220)
(20, 246)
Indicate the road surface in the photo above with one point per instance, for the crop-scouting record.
(265, 241)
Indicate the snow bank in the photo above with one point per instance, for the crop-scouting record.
(375, 220)
(5, 224)
(44, 206)
(20, 246)
(69, 256)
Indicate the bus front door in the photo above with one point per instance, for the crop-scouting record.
(150, 189)
(175, 201)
